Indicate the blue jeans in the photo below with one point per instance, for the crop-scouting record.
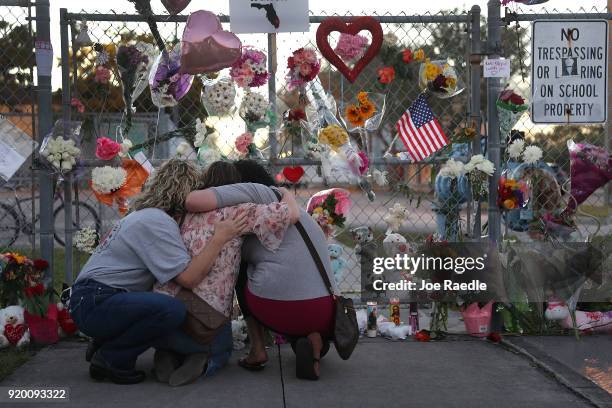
(127, 323)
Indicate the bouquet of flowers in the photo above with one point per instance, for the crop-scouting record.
(291, 126)
(117, 184)
(219, 97)
(439, 78)
(130, 62)
(60, 153)
(167, 84)
(246, 148)
(205, 142)
(255, 111)
(478, 170)
(366, 113)
(250, 70)
(86, 239)
(303, 67)
(511, 193)
(36, 298)
(351, 47)
(590, 168)
(329, 208)
(107, 149)
(510, 108)
(14, 267)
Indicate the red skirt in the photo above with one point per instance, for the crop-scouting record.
(294, 318)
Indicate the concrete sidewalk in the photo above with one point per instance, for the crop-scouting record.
(461, 373)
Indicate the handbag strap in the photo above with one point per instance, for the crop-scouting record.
(311, 248)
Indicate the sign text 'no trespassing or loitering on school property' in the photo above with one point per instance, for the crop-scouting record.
(569, 71)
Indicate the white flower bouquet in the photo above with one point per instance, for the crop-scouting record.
(60, 153)
(478, 170)
(253, 110)
(219, 97)
(107, 179)
(86, 239)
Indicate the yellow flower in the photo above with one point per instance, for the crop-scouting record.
(362, 97)
(419, 55)
(509, 204)
(334, 136)
(20, 259)
(451, 82)
(432, 71)
(318, 210)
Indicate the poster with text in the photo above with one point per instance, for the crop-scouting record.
(268, 16)
(569, 71)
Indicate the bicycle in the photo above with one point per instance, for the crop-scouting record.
(14, 219)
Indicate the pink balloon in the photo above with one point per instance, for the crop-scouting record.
(175, 6)
(205, 46)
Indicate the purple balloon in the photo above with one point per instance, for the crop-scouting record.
(205, 46)
(175, 6)
(166, 82)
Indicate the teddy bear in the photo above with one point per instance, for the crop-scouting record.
(395, 217)
(395, 244)
(365, 249)
(13, 330)
(338, 264)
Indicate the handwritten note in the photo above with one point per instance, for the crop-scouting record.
(496, 68)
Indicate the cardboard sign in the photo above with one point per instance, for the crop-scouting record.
(15, 148)
(496, 68)
(268, 16)
(569, 71)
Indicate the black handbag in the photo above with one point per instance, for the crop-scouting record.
(346, 330)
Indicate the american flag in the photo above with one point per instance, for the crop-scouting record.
(420, 130)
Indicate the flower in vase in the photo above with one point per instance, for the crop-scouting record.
(532, 154)
(515, 149)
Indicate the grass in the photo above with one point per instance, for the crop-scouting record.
(11, 358)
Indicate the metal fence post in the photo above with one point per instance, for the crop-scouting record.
(272, 65)
(45, 122)
(475, 59)
(66, 117)
(493, 138)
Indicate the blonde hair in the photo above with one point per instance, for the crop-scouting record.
(168, 188)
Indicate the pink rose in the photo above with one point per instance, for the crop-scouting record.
(107, 149)
(305, 69)
(103, 75)
(243, 142)
(310, 55)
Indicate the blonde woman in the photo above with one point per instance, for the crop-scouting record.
(112, 301)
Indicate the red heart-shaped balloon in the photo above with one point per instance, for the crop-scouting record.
(14, 333)
(293, 174)
(175, 6)
(353, 27)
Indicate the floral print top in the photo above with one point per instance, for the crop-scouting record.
(268, 223)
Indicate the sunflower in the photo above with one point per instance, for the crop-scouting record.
(367, 110)
(353, 115)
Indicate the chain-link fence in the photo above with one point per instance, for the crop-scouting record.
(593, 217)
(95, 99)
(409, 184)
(18, 198)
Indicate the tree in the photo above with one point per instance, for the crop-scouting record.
(16, 62)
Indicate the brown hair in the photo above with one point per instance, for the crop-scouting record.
(220, 173)
(169, 186)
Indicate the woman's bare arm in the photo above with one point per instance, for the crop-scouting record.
(201, 201)
(294, 208)
(201, 264)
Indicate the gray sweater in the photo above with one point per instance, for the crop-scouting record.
(290, 273)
